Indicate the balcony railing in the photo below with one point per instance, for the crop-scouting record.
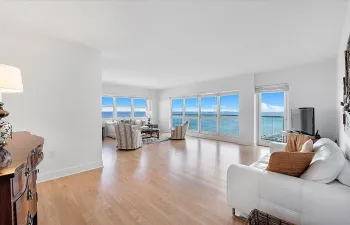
(272, 127)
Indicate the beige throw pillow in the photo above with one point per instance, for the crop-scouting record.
(290, 163)
(308, 146)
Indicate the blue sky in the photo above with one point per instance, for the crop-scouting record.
(138, 102)
(272, 102)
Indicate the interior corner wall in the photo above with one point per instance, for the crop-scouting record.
(311, 85)
(344, 139)
(61, 99)
(243, 83)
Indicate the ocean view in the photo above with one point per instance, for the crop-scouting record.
(107, 115)
(272, 123)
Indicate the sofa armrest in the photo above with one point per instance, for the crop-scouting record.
(277, 147)
(250, 188)
(243, 187)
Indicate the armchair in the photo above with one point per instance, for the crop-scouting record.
(179, 132)
(128, 137)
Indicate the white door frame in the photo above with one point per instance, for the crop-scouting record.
(286, 117)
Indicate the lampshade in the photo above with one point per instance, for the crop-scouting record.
(10, 79)
(148, 113)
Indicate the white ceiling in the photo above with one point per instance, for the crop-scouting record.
(159, 44)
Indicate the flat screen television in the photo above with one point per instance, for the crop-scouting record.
(307, 120)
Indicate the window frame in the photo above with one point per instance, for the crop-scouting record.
(233, 119)
(171, 111)
(208, 118)
(115, 111)
(192, 117)
(218, 110)
(138, 107)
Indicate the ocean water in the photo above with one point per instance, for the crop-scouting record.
(108, 115)
(229, 123)
(272, 123)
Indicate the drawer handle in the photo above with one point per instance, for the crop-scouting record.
(41, 155)
(26, 173)
(30, 195)
(29, 219)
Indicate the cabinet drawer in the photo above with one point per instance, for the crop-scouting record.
(22, 209)
(37, 156)
(33, 202)
(19, 181)
(32, 179)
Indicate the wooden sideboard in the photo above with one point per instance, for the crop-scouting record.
(18, 195)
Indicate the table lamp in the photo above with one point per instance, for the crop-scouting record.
(148, 115)
(10, 82)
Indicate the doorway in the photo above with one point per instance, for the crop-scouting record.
(273, 115)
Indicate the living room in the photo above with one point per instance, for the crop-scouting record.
(194, 100)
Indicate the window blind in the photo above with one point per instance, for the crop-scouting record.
(272, 88)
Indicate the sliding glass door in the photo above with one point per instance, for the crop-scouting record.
(209, 114)
(272, 116)
(176, 112)
(214, 114)
(229, 110)
(191, 113)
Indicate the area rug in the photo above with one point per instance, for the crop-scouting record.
(152, 140)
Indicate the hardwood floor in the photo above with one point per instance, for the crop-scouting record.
(173, 182)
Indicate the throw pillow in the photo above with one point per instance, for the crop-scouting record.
(307, 146)
(328, 162)
(295, 142)
(138, 122)
(290, 163)
(344, 175)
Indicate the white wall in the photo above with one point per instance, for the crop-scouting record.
(60, 102)
(311, 85)
(244, 84)
(133, 91)
(344, 139)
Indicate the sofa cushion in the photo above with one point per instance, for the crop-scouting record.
(290, 163)
(308, 146)
(262, 163)
(138, 123)
(328, 162)
(344, 175)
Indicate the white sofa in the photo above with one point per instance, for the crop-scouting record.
(110, 126)
(292, 199)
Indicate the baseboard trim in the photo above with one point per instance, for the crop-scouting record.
(68, 171)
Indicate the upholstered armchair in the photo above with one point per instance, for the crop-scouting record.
(128, 137)
(179, 132)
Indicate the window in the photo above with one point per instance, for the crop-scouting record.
(209, 114)
(215, 114)
(140, 107)
(107, 108)
(176, 112)
(229, 110)
(191, 113)
(123, 107)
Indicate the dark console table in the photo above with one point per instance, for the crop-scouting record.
(18, 193)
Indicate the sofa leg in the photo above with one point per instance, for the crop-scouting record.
(233, 212)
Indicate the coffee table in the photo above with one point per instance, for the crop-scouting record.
(150, 131)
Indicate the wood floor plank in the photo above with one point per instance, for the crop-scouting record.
(173, 182)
